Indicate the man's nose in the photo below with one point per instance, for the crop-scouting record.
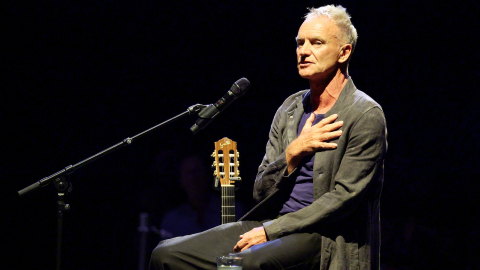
(305, 49)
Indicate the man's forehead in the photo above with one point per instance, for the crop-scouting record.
(321, 25)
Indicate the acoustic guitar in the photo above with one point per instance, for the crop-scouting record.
(226, 174)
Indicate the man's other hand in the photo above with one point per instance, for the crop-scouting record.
(253, 237)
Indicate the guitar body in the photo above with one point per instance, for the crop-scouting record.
(226, 173)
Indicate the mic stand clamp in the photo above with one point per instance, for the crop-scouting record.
(195, 109)
(205, 116)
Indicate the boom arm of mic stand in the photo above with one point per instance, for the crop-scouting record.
(192, 110)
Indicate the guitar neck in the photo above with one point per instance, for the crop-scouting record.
(226, 173)
(228, 204)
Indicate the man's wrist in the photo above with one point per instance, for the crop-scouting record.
(292, 161)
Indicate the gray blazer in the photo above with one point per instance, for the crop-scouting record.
(347, 181)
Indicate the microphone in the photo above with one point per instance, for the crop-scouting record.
(206, 115)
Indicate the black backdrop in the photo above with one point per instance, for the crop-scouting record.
(80, 76)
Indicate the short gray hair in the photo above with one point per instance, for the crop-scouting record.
(341, 19)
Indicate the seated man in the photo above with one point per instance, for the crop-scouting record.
(318, 186)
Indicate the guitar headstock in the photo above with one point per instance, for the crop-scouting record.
(226, 162)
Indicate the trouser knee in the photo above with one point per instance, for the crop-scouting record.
(161, 256)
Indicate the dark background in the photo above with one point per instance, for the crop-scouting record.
(80, 76)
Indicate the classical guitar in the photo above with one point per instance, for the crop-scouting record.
(226, 173)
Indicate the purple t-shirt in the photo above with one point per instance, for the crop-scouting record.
(302, 193)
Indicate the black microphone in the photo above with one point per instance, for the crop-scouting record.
(206, 115)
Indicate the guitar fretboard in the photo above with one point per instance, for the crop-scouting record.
(228, 204)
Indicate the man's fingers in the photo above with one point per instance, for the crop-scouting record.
(310, 119)
(309, 122)
(330, 127)
(324, 145)
(238, 247)
(331, 135)
(328, 120)
(241, 243)
(322, 142)
(251, 238)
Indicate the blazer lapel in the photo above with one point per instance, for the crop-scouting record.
(324, 159)
(294, 114)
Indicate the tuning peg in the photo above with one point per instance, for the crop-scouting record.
(238, 154)
(215, 173)
(238, 172)
(213, 154)
(238, 163)
(214, 164)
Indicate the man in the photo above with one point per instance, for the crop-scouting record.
(318, 186)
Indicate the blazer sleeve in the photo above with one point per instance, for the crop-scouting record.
(360, 172)
(271, 171)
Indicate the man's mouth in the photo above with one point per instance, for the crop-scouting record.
(304, 63)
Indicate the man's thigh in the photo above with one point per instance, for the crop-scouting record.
(296, 251)
(199, 251)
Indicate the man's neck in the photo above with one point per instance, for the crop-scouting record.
(324, 94)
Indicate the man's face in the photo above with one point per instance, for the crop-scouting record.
(318, 48)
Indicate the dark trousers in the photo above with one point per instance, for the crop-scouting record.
(199, 251)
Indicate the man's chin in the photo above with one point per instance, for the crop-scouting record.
(305, 75)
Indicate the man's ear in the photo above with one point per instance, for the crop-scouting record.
(345, 52)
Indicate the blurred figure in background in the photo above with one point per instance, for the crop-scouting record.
(180, 200)
(201, 209)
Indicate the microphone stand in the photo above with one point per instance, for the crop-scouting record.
(63, 186)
